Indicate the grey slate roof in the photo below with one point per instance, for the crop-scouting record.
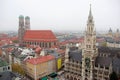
(8, 46)
(17, 53)
(112, 40)
(112, 52)
(116, 65)
(76, 55)
(113, 57)
(53, 53)
(7, 75)
(103, 61)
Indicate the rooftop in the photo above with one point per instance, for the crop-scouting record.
(7, 75)
(3, 63)
(39, 35)
(40, 59)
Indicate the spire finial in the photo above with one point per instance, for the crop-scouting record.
(90, 13)
(90, 5)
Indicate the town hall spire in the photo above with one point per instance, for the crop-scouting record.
(90, 22)
(90, 12)
(89, 52)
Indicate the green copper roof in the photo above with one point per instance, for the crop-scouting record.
(117, 30)
(3, 63)
(21, 16)
(27, 17)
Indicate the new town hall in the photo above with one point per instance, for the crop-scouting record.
(91, 62)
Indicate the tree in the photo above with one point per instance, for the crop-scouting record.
(113, 76)
(17, 68)
(104, 44)
(15, 41)
(0, 52)
(119, 76)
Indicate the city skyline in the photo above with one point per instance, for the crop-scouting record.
(60, 15)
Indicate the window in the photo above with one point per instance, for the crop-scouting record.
(4, 68)
(50, 44)
(95, 71)
(106, 73)
(88, 39)
(106, 67)
(8, 67)
(86, 70)
(86, 74)
(45, 44)
(101, 66)
(89, 46)
(54, 43)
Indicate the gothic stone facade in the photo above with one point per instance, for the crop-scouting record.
(91, 62)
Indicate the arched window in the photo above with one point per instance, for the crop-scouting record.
(71, 78)
(67, 77)
(46, 45)
(49, 44)
(75, 78)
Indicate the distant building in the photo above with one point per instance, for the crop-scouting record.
(113, 42)
(6, 52)
(27, 23)
(21, 29)
(18, 55)
(112, 39)
(58, 58)
(36, 68)
(91, 62)
(8, 75)
(23, 26)
(4, 66)
(113, 34)
(110, 33)
(3, 36)
(43, 38)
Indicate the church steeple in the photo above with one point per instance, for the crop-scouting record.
(90, 17)
(90, 13)
(90, 23)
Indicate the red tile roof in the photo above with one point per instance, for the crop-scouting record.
(61, 51)
(39, 35)
(38, 50)
(40, 59)
(100, 40)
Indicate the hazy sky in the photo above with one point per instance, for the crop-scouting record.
(60, 14)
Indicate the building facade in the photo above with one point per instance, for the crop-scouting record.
(39, 67)
(113, 43)
(27, 23)
(91, 62)
(23, 26)
(113, 34)
(42, 38)
(4, 66)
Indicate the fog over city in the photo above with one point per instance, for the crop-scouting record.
(59, 15)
